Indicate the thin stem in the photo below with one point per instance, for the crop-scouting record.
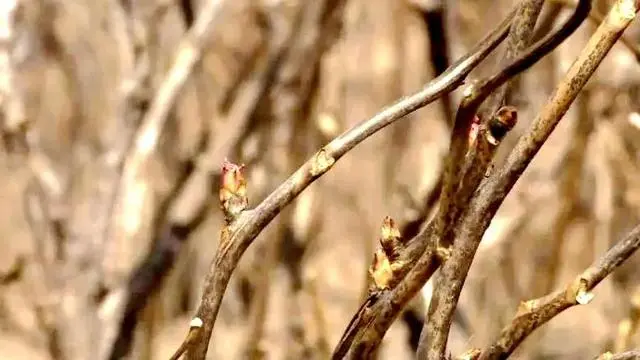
(534, 313)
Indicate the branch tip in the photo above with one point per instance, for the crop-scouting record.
(233, 190)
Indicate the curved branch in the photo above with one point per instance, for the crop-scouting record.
(534, 313)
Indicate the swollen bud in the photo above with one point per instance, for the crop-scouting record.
(233, 190)
(386, 260)
(390, 238)
(503, 121)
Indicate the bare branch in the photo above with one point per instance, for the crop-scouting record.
(534, 313)
(239, 234)
(452, 198)
(627, 355)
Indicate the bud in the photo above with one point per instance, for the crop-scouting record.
(233, 190)
(386, 259)
(390, 238)
(380, 271)
(503, 121)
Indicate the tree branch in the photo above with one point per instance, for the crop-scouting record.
(627, 355)
(534, 313)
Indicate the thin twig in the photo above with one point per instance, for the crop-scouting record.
(374, 318)
(534, 313)
(444, 301)
(627, 355)
(494, 189)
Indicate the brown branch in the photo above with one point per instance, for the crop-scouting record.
(627, 355)
(377, 315)
(534, 313)
(493, 190)
(520, 37)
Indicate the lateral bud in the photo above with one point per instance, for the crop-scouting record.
(501, 123)
(390, 238)
(233, 191)
(386, 259)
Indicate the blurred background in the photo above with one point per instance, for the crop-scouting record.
(106, 239)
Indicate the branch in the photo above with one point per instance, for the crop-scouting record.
(627, 355)
(324, 17)
(494, 189)
(520, 37)
(534, 313)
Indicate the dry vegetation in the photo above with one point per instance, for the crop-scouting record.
(122, 229)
